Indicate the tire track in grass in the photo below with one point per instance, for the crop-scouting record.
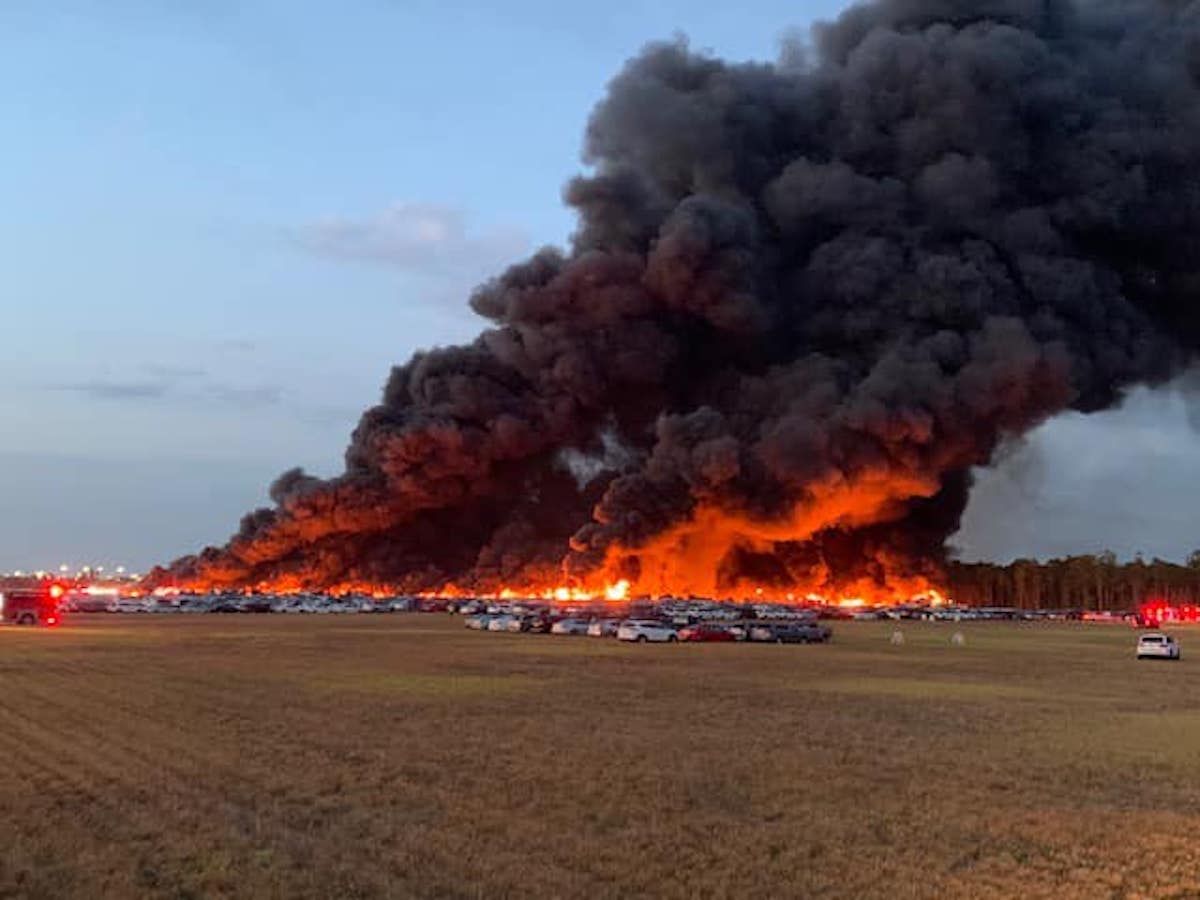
(150, 749)
(125, 812)
(186, 795)
(168, 733)
(110, 720)
(46, 775)
(119, 752)
(223, 694)
(32, 756)
(306, 727)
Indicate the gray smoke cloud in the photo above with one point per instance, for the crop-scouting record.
(807, 298)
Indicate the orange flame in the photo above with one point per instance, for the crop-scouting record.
(687, 560)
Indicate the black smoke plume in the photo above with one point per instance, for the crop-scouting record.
(802, 302)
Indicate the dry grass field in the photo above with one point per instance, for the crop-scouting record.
(400, 756)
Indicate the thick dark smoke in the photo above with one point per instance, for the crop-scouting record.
(802, 302)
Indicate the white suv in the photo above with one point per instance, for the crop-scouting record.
(645, 631)
(1157, 646)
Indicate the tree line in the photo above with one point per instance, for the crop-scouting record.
(1091, 582)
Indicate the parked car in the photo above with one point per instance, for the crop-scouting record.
(130, 606)
(478, 622)
(540, 623)
(789, 633)
(95, 604)
(603, 627)
(222, 606)
(739, 630)
(1157, 646)
(707, 632)
(500, 623)
(570, 626)
(644, 631)
(528, 622)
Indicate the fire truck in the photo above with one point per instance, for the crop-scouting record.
(31, 605)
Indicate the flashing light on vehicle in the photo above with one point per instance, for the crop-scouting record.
(56, 591)
(51, 620)
(1159, 612)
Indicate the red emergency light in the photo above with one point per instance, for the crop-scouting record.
(1157, 612)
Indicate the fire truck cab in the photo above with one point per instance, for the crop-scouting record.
(31, 606)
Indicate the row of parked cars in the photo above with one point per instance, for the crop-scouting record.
(317, 604)
(652, 630)
(985, 614)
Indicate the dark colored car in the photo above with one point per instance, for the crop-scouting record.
(533, 622)
(225, 606)
(790, 633)
(707, 632)
(538, 623)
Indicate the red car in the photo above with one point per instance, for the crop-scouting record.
(707, 632)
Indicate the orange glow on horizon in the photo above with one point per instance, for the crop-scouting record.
(622, 591)
(700, 557)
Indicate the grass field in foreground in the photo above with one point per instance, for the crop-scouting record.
(380, 756)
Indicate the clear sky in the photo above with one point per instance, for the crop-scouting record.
(224, 220)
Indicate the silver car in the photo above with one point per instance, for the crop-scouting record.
(603, 628)
(570, 627)
(1157, 646)
(500, 623)
(643, 631)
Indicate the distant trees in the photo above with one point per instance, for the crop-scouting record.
(1091, 582)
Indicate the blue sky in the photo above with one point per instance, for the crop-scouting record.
(223, 222)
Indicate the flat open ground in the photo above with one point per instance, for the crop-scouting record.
(376, 756)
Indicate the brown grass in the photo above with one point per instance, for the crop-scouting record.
(400, 756)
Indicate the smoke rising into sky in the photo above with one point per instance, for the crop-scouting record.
(804, 301)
